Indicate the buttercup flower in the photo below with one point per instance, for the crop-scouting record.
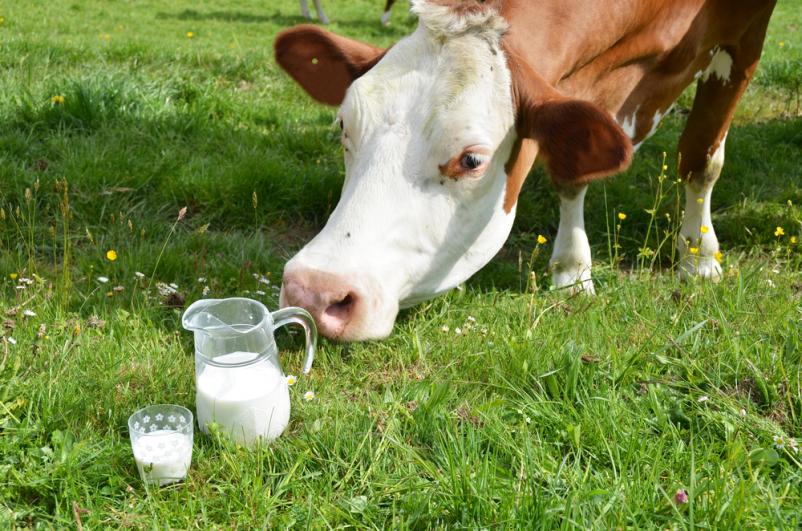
(694, 250)
(793, 240)
(704, 229)
(13, 276)
(111, 255)
(779, 231)
(718, 256)
(541, 239)
(622, 216)
(309, 396)
(292, 380)
(57, 99)
(190, 35)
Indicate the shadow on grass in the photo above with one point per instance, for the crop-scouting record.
(367, 29)
(233, 16)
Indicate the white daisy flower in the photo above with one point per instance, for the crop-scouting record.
(139, 275)
(12, 340)
(29, 313)
(309, 396)
(103, 280)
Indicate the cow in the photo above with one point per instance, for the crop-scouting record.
(321, 15)
(440, 130)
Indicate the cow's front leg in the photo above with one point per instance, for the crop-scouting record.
(698, 245)
(570, 260)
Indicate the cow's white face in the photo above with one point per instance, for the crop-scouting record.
(426, 135)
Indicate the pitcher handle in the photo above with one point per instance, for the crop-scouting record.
(295, 315)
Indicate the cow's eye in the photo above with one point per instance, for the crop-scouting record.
(471, 161)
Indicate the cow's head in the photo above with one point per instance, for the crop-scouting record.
(438, 133)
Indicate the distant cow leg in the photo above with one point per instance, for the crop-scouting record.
(701, 146)
(570, 260)
(305, 10)
(321, 15)
(387, 10)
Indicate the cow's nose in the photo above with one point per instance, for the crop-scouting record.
(334, 302)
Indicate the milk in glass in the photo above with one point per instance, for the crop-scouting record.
(163, 456)
(247, 402)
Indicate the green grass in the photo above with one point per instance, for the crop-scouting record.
(549, 411)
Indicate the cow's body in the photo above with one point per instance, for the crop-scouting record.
(499, 83)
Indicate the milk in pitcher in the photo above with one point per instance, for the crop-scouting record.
(246, 402)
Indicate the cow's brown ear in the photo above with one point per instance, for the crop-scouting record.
(323, 63)
(579, 141)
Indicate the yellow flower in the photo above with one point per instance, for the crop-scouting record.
(694, 250)
(665, 167)
(13, 276)
(541, 239)
(718, 256)
(704, 229)
(622, 216)
(111, 254)
(291, 380)
(700, 200)
(781, 44)
(190, 35)
(58, 99)
(779, 231)
(793, 240)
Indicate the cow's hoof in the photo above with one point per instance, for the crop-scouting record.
(573, 282)
(324, 20)
(703, 267)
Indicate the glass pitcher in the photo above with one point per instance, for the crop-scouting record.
(239, 382)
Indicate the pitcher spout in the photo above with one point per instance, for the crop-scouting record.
(233, 316)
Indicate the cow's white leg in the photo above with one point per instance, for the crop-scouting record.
(321, 15)
(386, 18)
(698, 245)
(570, 260)
(305, 10)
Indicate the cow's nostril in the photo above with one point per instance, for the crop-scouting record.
(342, 309)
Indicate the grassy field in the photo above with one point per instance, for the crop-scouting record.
(501, 404)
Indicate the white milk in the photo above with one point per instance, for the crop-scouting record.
(163, 456)
(247, 402)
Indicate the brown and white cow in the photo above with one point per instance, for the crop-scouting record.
(440, 131)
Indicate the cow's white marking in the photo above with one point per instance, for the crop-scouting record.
(720, 65)
(629, 124)
(401, 232)
(570, 261)
(386, 17)
(697, 215)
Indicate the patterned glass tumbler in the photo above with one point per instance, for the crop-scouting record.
(161, 438)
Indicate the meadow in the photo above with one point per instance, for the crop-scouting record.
(503, 404)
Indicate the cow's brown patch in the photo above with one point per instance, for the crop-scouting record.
(517, 168)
